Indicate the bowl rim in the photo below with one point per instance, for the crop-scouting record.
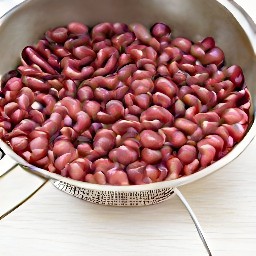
(249, 27)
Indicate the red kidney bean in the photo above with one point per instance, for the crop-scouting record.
(117, 177)
(207, 154)
(78, 168)
(38, 147)
(69, 133)
(36, 84)
(77, 28)
(123, 155)
(62, 147)
(174, 167)
(175, 137)
(73, 106)
(236, 131)
(37, 116)
(213, 56)
(235, 75)
(19, 143)
(234, 115)
(77, 41)
(185, 125)
(144, 35)
(166, 86)
(100, 178)
(208, 43)
(91, 108)
(197, 51)
(142, 86)
(162, 100)
(151, 156)
(13, 84)
(159, 30)
(157, 113)
(103, 165)
(135, 172)
(187, 154)
(182, 43)
(10, 108)
(150, 139)
(18, 115)
(84, 93)
(83, 122)
(62, 161)
(104, 141)
(191, 167)
(32, 57)
(121, 127)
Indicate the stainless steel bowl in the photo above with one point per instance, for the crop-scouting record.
(227, 23)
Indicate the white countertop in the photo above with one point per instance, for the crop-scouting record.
(37, 219)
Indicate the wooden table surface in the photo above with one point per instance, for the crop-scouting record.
(37, 219)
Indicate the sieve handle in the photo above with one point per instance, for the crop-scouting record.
(194, 218)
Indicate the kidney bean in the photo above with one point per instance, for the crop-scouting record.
(37, 116)
(191, 167)
(58, 35)
(32, 57)
(234, 115)
(123, 155)
(214, 55)
(83, 122)
(77, 41)
(151, 156)
(150, 139)
(77, 28)
(166, 87)
(162, 100)
(62, 147)
(19, 143)
(207, 154)
(103, 165)
(69, 134)
(185, 125)
(73, 106)
(187, 154)
(157, 113)
(10, 108)
(182, 43)
(142, 86)
(36, 84)
(175, 137)
(135, 172)
(236, 131)
(78, 168)
(62, 161)
(91, 108)
(121, 127)
(144, 35)
(235, 75)
(174, 167)
(159, 30)
(38, 147)
(13, 84)
(104, 141)
(117, 177)
(18, 115)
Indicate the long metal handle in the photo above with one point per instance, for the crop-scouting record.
(194, 218)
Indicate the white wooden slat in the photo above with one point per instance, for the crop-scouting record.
(15, 187)
(6, 164)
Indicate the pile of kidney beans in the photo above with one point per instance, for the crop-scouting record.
(118, 104)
